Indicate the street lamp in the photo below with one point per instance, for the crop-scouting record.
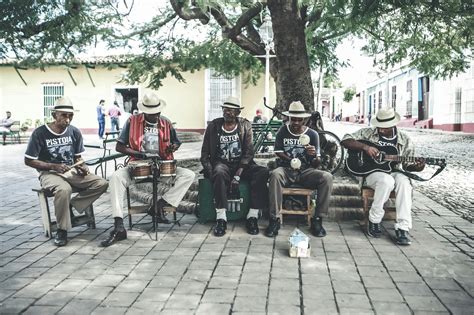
(266, 35)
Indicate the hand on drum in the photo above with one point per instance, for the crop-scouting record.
(171, 148)
(82, 170)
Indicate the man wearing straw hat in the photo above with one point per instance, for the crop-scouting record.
(147, 133)
(385, 133)
(55, 151)
(227, 156)
(298, 160)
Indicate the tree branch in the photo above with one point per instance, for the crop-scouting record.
(187, 14)
(73, 9)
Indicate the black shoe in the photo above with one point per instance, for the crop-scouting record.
(374, 229)
(220, 228)
(161, 216)
(273, 227)
(114, 236)
(402, 237)
(317, 228)
(252, 226)
(61, 238)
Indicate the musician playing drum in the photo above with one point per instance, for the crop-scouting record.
(384, 133)
(144, 135)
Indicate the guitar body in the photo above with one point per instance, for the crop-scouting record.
(360, 164)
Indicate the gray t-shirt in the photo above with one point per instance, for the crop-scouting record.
(289, 143)
(47, 146)
(230, 148)
(150, 141)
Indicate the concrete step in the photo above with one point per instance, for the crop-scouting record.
(345, 213)
(346, 201)
(189, 136)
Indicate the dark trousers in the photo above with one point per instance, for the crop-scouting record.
(114, 123)
(256, 175)
(309, 178)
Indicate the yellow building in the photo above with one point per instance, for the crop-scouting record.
(29, 93)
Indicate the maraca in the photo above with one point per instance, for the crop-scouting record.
(295, 163)
(304, 139)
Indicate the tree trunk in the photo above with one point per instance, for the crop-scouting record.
(293, 74)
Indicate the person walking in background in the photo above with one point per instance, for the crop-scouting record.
(5, 125)
(114, 113)
(101, 118)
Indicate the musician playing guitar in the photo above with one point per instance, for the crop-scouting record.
(384, 134)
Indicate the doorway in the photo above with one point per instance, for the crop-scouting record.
(127, 98)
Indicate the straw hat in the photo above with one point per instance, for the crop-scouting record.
(63, 104)
(385, 118)
(232, 102)
(296, 109)
(151, 104)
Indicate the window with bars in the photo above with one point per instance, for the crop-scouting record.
(457, 105)
(380, 99)
(394, 97)
(51, 92)
(219, 88)
(409, 98)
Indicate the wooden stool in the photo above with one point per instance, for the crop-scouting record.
(51, 226)
(298, 192)
(390, 210)
(143, 209)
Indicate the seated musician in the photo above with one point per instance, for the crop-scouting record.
(384, 133)
(288, 148)
(53, 149)
(144, 135)
(227, 156)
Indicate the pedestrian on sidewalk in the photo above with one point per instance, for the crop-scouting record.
(114, 113)
(52, 150)
(298, 164)
(227, 156)
(100, 110)
(144, 135)
(384, 133)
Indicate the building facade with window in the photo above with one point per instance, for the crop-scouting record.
(30, 93)
(422, 101)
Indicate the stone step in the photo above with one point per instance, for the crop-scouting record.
(345, 189)
(345, 201)
(345, 213)
(189, 136)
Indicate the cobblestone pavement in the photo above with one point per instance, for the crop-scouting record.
(189, 271)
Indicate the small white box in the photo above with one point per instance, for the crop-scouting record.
(299, 244)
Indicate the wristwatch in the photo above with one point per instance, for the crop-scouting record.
(237, 178)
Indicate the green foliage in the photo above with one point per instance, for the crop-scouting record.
(349, 94)
(433, 36)
(26, 125)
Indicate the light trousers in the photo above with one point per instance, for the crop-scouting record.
(90, 188)
(383, 184)
(176, 187)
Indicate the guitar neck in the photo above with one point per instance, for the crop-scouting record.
(411, 159)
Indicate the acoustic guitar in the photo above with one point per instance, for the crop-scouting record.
(360, 164)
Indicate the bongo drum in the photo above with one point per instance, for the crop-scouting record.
(140, 169)
(167, 168)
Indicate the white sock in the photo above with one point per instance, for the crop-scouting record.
(253, 213)
(220, 214)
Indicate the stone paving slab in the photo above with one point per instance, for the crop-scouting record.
(189, 271)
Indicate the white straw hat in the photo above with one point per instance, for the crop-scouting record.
(296, 109)
(385, 118)
(151, 104)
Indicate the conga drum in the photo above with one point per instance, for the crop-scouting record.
(140, 169)
(167, 168)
